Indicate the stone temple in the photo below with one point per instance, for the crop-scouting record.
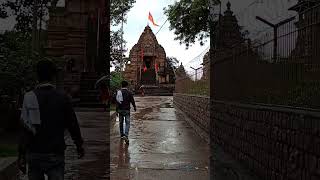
(149, 66)
(74, 34)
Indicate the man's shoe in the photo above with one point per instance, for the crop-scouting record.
(126, 139)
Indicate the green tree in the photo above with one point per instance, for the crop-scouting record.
(115, 81)
(173, 62)
(116, 53)
(23, 11)
(16, 63)
(190, 20)
(3, 12)
(119, 10)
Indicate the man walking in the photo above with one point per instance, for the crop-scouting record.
(46, 114)
(124, 99)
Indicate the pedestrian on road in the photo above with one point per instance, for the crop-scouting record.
(46, 114)
(124, 99)
(142, 90)
(104, 96)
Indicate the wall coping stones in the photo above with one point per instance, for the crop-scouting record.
(8, 168)
(192, 95)
(274, 108)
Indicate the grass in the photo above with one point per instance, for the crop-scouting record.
(200, 87)
(8, 150)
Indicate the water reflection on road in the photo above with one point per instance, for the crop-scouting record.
(162, 145)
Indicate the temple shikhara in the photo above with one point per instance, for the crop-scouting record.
(306, 50)
(148, 65)
(75, 33)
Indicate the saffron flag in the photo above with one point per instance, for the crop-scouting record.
(151, 19)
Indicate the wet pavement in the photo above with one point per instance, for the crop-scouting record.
(95, 164)
(162, 145)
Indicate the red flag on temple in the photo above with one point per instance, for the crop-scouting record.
(151, 19)
(144, 69)
(156, 67)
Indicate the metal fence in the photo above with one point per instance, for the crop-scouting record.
(282, 69)
(195, 84)
(194, 78)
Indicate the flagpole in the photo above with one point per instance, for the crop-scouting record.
(148, 19)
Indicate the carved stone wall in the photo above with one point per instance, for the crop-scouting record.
(147, 46)
(68, 29)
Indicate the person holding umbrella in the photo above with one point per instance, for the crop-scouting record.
(104, 94)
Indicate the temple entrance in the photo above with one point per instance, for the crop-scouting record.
(148, 74)
(149, 67)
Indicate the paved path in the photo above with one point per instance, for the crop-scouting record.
(94, 128)
(95, 165)
(162, 145)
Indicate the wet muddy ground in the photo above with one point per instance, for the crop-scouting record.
(95, 127)
(162, 145)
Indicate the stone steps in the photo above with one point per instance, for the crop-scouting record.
(88, 93)
(157, 91)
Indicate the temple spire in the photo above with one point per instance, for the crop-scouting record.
(230, 29)
(229, 6)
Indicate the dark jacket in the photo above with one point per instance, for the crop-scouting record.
(57, 115)
(127, 100)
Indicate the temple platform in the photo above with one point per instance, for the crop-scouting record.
(158, 90)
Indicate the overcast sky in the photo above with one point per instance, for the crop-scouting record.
(138, 19)
(245, 10)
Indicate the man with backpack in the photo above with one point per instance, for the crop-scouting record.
(124, 99)
(46, 114)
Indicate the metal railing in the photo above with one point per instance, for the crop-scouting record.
(250, 72)
(194, 83)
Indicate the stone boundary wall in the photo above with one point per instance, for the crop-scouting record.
(276, 143)
(197, 108)
(8, 168)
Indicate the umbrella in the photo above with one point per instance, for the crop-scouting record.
(101, 80)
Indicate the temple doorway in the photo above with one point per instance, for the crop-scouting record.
(148, 74)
